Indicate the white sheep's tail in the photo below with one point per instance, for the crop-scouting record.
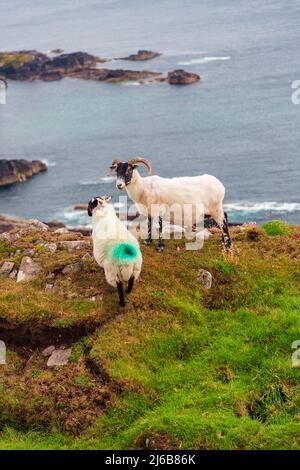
(123, 252)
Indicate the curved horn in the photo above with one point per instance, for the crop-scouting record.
(134, 160)
(113, 166)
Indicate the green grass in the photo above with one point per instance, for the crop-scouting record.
(180, 367)
(276, 227)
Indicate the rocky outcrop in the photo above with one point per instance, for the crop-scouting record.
(9, 223)
(57, 51)
(13, 171)
(33, 65)
(142, 55)
(114, 75)
(181, 77)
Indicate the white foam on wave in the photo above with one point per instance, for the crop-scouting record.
(130, 83)
(73, 218)
(203, 60)
(49, 164)
(96, 181)
(268, 206)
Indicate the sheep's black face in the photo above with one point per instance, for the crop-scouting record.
(97, 202)
(124, 174)
(92, 205)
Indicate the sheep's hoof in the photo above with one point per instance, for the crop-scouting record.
(160, 248)
(147, 242)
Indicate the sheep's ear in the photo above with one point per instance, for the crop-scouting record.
(106, 198)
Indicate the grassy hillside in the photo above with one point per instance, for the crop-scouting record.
(179, 367)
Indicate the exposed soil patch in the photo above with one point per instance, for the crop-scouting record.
(25, 338)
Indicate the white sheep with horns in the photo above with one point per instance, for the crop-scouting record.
(115, 249)
(154, 191)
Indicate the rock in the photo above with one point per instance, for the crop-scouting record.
(13, 274)
(61, 230)
(8, 223)
(85, 231)
(74, 245)
(57, 51)
(55, 224)
(9, 237)
(48, 351)
(29, 270)
(142, 55)
(59, 357)
(205, 278)
(6, 268)
(181, 77)
(49, 287)
(51, 76)
(72, 268)
(87, 256)
(96, 298)
(32, 226)
(52, 247)
(29, 252)
(14, 171)
(33, 65)
(113, 75)
(80, 207)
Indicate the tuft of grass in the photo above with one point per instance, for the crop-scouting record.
(14, 59)
(276, 227)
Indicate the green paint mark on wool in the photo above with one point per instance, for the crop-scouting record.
(124, 252)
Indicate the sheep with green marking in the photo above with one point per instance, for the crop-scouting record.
(115, 249)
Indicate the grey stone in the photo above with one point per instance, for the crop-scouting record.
(96, 298)
(87, 256)
(59, 357)
(72, 268)
(61, 230)
(74, 245)
(205, 278)
(13, 274)
(6, 268)
(52, 247)
(29, 270)
(48, 351)
(29, 252)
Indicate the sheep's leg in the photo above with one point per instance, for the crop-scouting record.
(161, 243)
(121, 294)
(130, 285)
(149, 239)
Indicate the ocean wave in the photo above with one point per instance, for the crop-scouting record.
(130, 83)
(96, 181)
(49, 164)
(268, 206)
(203, 60)
(73, 218)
